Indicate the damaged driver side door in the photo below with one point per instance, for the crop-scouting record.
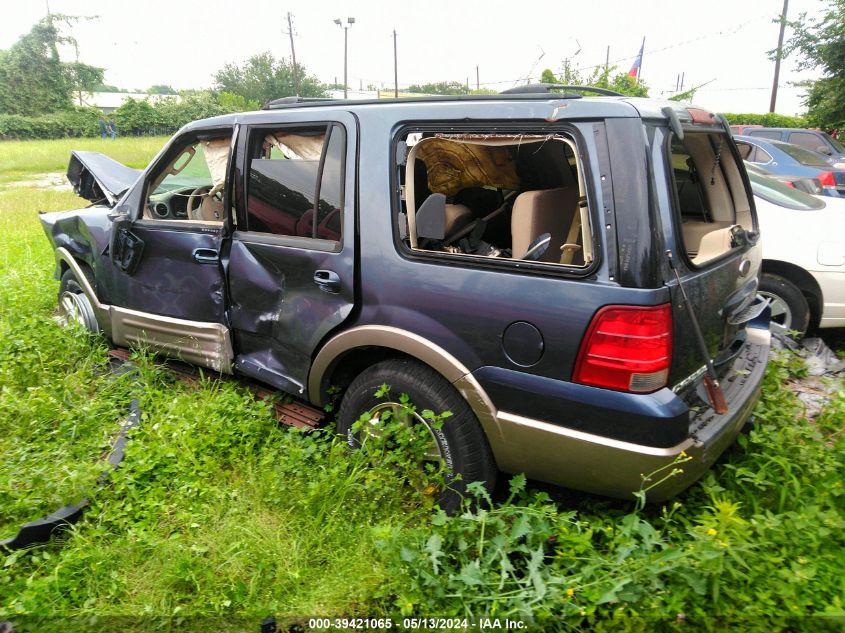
(168, 282)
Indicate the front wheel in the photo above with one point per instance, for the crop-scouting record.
(790, 310)
(74, 306)
(458, 445)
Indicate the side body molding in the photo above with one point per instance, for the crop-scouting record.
(436, 357)
(198, 342)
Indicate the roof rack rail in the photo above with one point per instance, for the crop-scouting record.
(547, 88)
(286, 101)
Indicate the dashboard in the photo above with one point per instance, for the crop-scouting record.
(170, 205)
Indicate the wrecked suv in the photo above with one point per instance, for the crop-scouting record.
(574, 278)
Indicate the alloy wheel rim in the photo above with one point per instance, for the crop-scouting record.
(374, 427)
(69, 310)
(781, 314)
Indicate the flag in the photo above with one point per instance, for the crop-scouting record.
(638, 62)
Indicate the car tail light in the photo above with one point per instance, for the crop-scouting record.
(789, 183)
(627, 348)
(827, 179)
(701, 116)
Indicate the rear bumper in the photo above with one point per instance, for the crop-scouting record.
(553, 453)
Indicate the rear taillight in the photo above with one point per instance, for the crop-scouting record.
(826, 178)
(789, 183)
(627, 348)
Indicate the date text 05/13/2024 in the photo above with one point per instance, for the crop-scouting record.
(416, 624)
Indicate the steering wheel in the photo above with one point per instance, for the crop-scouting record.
(197, 195)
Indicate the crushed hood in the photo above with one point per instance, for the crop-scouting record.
(98, 178)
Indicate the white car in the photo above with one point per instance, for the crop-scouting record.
(803, 240)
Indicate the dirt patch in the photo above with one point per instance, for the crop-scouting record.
(53, 180)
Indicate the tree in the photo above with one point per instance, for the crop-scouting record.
(602, 77)
(34, 80)
(439, 88)
(263, 78)
(821, 43)
(161, 89)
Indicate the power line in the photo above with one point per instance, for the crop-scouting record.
(721, 33)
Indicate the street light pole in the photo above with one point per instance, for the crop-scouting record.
(345, 24)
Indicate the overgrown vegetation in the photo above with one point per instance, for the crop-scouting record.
(34, 80)
(609, 78)
(821, 44)
(220, 513)
(767, 119)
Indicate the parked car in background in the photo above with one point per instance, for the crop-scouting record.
(813, 140)
(791, 160)
(803, 255)
(803, 183)
(502, 257)
(740, 129)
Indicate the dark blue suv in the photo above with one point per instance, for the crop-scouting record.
(573, 277)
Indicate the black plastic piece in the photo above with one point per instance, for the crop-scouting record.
(39, 531)
(544, 88)
(127, 250)
(674, 121)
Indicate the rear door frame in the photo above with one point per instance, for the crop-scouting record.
(290, 345)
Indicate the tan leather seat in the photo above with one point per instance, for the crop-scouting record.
(544, 211)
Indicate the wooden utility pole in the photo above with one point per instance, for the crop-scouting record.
(395, 68)
(293, 56)
(778, 54)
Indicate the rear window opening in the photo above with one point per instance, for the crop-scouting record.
(711, 200)
(499, 197)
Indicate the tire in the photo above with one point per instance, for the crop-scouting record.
(460, 440)
(74, 304)
(790, 310)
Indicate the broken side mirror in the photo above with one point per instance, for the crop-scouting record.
(125, 248)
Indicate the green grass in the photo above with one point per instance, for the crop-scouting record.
(221, 517)
(21, 160)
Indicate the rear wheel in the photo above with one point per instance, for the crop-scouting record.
(790, 310)
(459, 445)
(74, 306)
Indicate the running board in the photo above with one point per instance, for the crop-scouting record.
(196, 342)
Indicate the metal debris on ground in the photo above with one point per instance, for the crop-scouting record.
(824, 372)
(40, 530)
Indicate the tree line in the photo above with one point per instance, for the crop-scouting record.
(41, 95)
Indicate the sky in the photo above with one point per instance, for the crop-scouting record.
(722, 44)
